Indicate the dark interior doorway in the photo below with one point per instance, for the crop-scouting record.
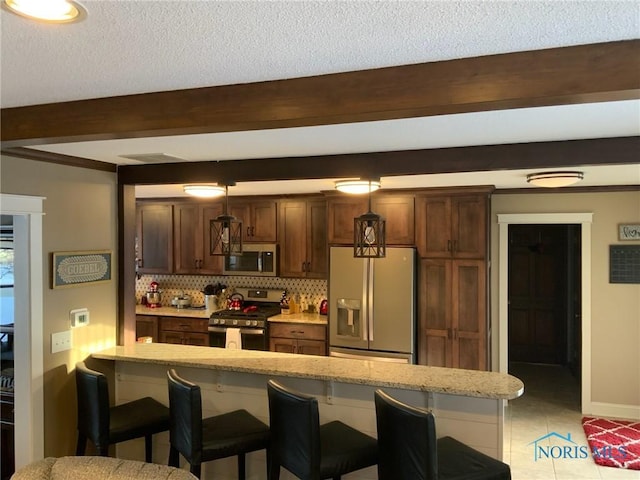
(545, 295)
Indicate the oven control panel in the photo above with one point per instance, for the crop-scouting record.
(234, 322)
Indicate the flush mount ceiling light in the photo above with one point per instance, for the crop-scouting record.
(52, 11)
(205, 191)
(554, 179)
(358, 186)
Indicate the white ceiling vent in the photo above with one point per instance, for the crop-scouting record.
(153, 158)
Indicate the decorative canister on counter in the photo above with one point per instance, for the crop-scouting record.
(211, 303)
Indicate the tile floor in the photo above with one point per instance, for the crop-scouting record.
(551, 403)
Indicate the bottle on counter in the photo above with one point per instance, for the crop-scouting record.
(304, 306)
(284, 304)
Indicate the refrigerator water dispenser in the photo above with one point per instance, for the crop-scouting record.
(349, 323)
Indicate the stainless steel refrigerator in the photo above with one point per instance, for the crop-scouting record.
(372, 307)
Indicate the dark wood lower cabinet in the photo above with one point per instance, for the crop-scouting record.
(184, 331)
(147, 326)
(299, 338)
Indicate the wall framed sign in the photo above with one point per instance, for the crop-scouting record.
(71, 269)
(629, 231)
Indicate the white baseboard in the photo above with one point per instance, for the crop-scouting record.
(613, 410)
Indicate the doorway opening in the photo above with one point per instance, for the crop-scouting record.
(28, 414)
(544, 312)
(544, 290)
(580, 331)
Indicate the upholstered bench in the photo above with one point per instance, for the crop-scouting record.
(98, 468)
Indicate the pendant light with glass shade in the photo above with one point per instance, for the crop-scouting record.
(369, 236)
(226, 231)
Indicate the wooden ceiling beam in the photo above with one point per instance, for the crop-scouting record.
(568, 75)
(601, 151)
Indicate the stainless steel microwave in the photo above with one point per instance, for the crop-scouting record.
(256, 260)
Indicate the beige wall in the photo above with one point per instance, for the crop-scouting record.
(615, 308)
(80, 214)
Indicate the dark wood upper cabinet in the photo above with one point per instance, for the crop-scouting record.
(398, 212)
(452, 226)
(154, 238)
(303, 238)
(259, 219)
(342, 210)
(192, 235)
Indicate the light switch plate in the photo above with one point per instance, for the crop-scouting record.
(61, 341)
(79, 317)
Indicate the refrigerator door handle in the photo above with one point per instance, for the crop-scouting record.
(364, 314)
(370, 299)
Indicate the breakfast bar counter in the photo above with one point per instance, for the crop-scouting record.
(451, 381)
(468, 405)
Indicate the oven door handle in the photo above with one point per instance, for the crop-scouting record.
(243, 331)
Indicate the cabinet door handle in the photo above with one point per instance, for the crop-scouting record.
(304, 266)
(248, 231)
(449, 333)
(448, 245)
(253, 231)
(308, 266)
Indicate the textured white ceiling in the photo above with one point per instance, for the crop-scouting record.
(137, 46)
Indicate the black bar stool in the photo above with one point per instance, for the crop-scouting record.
(202, 440)
(307, 449)
(409, 449)
(105, 425)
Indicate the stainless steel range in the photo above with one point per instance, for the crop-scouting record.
(251, 309)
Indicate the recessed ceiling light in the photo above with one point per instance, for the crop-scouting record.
(357, 186)
(554, 179)
(53, 11)
(205, 191)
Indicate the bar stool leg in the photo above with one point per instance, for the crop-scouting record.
(174, 457)
(274, 470)
(81, 445)
(148, 448)
(196, 470)
(241, 467)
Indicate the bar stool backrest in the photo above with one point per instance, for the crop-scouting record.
(295, 430)
(185, 406)
(93, 404)
(407, 445)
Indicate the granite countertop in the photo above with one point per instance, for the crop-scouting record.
(172, 312)
(451, 381)
(310, 318)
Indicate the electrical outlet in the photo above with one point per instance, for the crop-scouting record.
(61, 341)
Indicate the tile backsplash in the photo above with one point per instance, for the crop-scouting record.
(173, 285)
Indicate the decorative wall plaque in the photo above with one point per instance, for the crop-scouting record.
(80, 268)
(629, 231)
